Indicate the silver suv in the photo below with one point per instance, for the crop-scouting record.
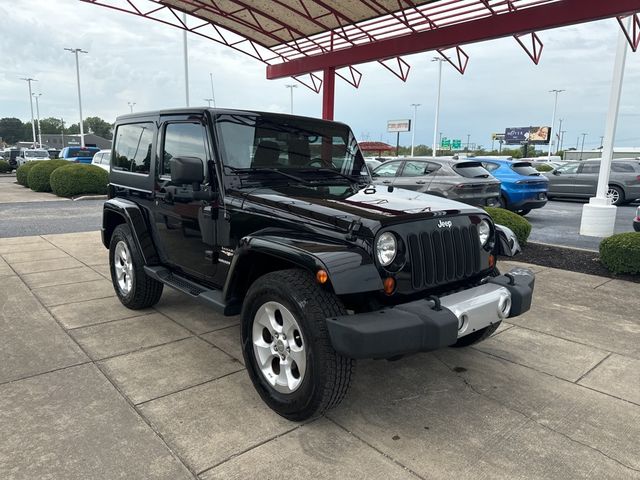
(580, 180)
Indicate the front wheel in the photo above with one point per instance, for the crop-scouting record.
(286, 345)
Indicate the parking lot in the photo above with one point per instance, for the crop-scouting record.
(89, 389)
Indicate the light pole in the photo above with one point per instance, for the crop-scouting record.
(435, 123)
(36, 95)
(553, 118)
(185, 53)
(209, 100)
(62, 131)
(291, 87)
(213, 95)
(468, 140)
(76, 51)
(557, 135)
(582, 147)
(33, 123)
(601, 140)
(131, 104)
(562, 140)
(413, 127)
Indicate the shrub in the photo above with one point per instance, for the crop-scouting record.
(78, 178)
(39, 174)
(544, 167)
(22, 174)
(4, 166)
(520, 226)
(620, 253)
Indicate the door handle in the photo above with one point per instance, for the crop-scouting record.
(421, 182)
(386, 181)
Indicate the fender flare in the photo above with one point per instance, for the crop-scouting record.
(117, 211)
(350, 269)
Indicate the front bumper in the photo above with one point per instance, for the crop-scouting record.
(421, 326)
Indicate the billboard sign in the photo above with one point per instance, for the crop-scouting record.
(533, 135)
(398, 126)
(497, 136)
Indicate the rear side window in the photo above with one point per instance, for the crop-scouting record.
(471, 170)
(414, 169)
(97, 158)
(132, 151)
(183, 140)
(622, 167)
(524, 168)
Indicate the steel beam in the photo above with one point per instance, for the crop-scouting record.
(328, 93)
(517, 22)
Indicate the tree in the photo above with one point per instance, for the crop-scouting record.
(51, 125)
(12, 129)
(98, 126)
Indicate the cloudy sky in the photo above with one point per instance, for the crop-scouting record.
(136, 60)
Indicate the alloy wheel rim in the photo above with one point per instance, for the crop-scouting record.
(613, 195)
(124, 267)
(279, 347)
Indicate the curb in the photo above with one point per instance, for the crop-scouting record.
(90, 197)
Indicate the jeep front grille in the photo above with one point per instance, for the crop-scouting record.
(443, 256)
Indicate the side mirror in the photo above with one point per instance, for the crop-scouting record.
(556, 172)
(187, 171)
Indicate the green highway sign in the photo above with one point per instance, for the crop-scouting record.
(456, 144)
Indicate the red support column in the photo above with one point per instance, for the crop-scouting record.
(328, 93)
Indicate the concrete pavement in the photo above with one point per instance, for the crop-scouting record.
(90, 389)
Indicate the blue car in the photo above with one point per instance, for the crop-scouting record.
(78, 154)
(523, 188)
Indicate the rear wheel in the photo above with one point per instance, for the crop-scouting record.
(524, 212)
(286, 345)
(615, 194)
(132, 285)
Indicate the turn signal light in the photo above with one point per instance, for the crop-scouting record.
(389, 285)
(492, 261)
(322, 276)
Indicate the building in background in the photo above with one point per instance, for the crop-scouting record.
(618, 152)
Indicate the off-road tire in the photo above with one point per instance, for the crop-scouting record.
(328, 374)
(145, 291)
(482, 334)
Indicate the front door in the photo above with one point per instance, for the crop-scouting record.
(184, 224)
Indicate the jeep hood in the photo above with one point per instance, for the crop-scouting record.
(371, 205)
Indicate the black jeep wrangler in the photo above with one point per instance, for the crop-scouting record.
(274, 217)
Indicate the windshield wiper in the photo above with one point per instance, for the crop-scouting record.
(268, 170)
(351, 178)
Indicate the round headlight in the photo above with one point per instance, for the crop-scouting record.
(484, 231)
(386, 248)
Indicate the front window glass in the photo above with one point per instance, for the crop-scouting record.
(302, 148)
(133, 148)
(183, 140)
(387, 169)
(569, 168)
(36, 154)
(590, 168)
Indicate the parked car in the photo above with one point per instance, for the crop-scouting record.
(78, 154)
(464, 181)
(32, 155)
(11, 156)
(636, 221)
(323, 266)
(580, 180)
(102, 159)
(372, 163)
(522, 188)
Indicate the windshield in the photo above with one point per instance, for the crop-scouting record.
(75, 153)
(471, 170)
(36, 154)
(295, 149)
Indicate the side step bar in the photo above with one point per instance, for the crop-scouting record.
(213, 298)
